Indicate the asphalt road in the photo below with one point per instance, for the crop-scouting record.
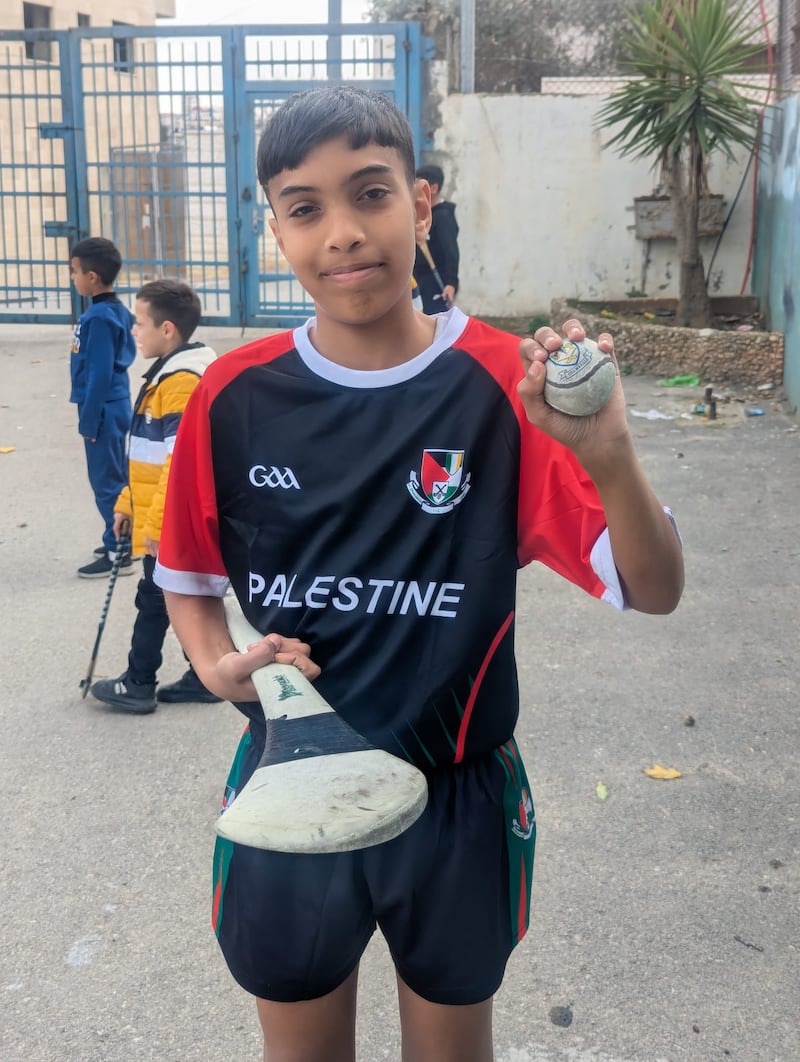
(666, 918)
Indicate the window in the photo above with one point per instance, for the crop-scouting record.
(37, 16)
(83, 20)
(123, 51)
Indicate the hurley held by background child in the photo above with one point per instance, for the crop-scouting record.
(438, 284)
(167, 314)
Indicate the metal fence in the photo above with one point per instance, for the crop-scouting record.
(569, 46)
(147, 135)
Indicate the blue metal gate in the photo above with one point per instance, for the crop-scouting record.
(146, 135)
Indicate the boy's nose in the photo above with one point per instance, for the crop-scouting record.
(344, 231)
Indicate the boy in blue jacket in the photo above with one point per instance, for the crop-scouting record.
(103, 349)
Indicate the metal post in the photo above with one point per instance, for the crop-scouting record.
(467, 46)
(786, 19)
(334, 41)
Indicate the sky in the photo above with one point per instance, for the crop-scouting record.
(244, 12)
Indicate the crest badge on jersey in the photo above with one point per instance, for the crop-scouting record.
(441, 483)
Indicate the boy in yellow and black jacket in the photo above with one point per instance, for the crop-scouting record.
(167, 314)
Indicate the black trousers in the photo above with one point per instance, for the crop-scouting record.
(150, 627)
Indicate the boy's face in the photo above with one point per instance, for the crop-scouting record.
(85, 283)
(348, 221)
(153, 340)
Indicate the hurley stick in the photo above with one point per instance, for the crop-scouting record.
(426, 253)
(123, 549)
(319, 785)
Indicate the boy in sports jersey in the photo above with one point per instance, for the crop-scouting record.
(369, 485)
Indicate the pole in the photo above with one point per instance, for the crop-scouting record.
(467, 46)
(334, 41)
(786, 20)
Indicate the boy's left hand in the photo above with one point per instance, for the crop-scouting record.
(585, 436)
(151, 546)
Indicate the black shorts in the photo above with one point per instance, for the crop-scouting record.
(451, 894)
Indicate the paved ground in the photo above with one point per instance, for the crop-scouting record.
(665, 916)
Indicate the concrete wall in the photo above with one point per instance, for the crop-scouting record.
(776, 275)
(545, 212)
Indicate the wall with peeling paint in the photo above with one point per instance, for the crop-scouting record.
(776, 272)
(545, 211)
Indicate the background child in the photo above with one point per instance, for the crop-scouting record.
(167, 314)
(443, 245)
(370, 484)
(103, 350)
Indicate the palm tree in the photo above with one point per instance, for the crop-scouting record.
(681, 105)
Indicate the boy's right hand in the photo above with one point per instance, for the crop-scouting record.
(233, 670)
(200, 625)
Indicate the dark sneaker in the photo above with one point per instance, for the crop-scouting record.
(125, 695)
(187, 690)
(100, 551)
(101, 568)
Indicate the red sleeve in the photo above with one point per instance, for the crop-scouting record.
(189, 559)
(189, 556)
(560, 517)
(560, 514)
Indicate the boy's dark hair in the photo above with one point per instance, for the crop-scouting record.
(318, 115)
(98, 255)
(432, 174)
(175, 301)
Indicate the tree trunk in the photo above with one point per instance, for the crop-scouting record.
(694, 305)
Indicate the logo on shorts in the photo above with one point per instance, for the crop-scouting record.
(441, 484)
(523, 825)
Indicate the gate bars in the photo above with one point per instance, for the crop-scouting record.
(147, 135)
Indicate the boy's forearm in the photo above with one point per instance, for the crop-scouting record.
(199, 623)
(646, 548)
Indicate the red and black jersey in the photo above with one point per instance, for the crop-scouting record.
(381, 516)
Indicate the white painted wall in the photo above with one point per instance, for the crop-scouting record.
(544, 211)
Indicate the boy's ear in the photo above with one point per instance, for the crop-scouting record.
(422, 209)
(169, 329)
(276, 232)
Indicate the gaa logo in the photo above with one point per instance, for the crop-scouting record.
(261, 476)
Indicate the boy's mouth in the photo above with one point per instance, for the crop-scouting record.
(352, 269)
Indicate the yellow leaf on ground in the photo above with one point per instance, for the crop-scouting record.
(664, 774)
(601, 789)
(7, 449)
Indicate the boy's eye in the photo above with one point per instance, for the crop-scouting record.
(375, 193)
(301, 211)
